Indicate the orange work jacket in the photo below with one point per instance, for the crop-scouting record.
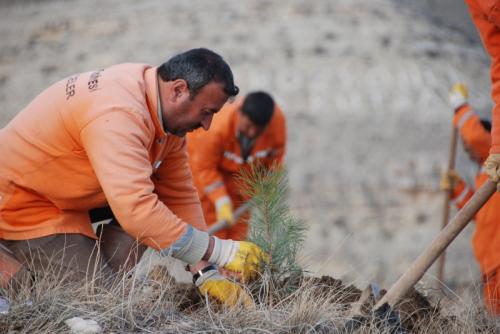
(90, 140)
(486, 17)
(215, 159)
(486, 239)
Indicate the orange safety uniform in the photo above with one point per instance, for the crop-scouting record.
(91, 140)
(486, 17)
(486, 239)
(215, 159)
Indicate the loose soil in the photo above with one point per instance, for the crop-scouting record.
(415, 310)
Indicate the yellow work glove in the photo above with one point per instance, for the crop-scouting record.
(242, 257)
(492, 168)
(211, 283)
(224, 210)
(458, 95)
(449, 180)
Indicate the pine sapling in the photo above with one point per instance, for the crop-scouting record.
(272, 227)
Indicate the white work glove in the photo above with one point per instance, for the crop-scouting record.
(242, 257)
(458, 95)
(224, 210)
(210, 282)
(492, 168)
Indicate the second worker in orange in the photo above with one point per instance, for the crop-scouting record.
(249, 130)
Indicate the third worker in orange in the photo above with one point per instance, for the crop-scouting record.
(476, 140)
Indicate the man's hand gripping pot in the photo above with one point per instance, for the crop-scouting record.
(202, 252)
(240, 257)
(210, 282)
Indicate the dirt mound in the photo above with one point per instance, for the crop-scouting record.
(187, 297)
(325, 285)
(414, 312)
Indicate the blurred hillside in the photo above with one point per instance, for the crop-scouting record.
(449, 13)
(362, 82)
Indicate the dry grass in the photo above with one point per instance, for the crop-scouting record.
(158, 304)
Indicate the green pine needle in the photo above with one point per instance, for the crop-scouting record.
(272, 227)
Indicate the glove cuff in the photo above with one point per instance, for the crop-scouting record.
(457, 103)
(458, 95)
(224, 251)
(224, 200)
(194, 249)
(203, 275)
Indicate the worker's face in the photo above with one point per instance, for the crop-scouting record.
(247, 128)
(184, 113)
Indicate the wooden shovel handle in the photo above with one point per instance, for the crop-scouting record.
(415, 272)
(447, 199)
(220, 225)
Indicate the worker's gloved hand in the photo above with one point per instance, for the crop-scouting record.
(492, 168)
(224, 210)
(449, 180)
(458, 95)
(229, 293)
(242, 257)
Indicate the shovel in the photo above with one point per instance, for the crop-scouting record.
(384, 307)
(220, 225)
(447, 199)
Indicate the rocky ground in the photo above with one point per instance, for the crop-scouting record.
(362, 82)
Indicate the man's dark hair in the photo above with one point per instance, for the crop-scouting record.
(486, 124)
(199, 67)
(258, 107)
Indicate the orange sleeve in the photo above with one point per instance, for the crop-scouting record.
(205, 154)
(116, 145)
(174, 186)
(281, 136)
(490, 36)
(472, 131)
(461, 194)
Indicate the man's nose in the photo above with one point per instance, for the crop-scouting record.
(206, 122)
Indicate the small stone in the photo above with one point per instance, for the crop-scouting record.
(78, 325)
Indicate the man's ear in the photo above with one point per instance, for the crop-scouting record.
(179, 88)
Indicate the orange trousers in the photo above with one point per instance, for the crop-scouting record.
(491, 293)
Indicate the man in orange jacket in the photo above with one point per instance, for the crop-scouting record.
(115, 137)
(249, 130)
(486, 17)
(476, 139)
